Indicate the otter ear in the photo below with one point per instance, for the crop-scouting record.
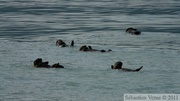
(112, 67)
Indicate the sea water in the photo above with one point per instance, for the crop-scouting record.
(30, 28)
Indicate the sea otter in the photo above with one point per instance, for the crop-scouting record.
(133, 31)
(118, 65)
(40, 64)
(90, 49)
(63, 44)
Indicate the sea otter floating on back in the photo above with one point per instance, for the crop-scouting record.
(90, 49)
(133, 31)
(40, 64)
(118, 65)
(63, 44)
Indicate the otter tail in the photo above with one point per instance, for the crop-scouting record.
(72, 43)
(139, 68)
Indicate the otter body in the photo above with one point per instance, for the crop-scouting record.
(40, 64)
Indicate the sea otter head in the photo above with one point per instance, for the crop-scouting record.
(38, 62)
(117, 65)
(131, 30)
(84, 48)
(60, 42)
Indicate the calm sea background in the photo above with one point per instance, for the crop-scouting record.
(30, 28)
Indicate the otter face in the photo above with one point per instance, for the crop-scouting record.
(60, 42)
(133, 31)
(117, 65)
(38, 62)
(83, 48)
